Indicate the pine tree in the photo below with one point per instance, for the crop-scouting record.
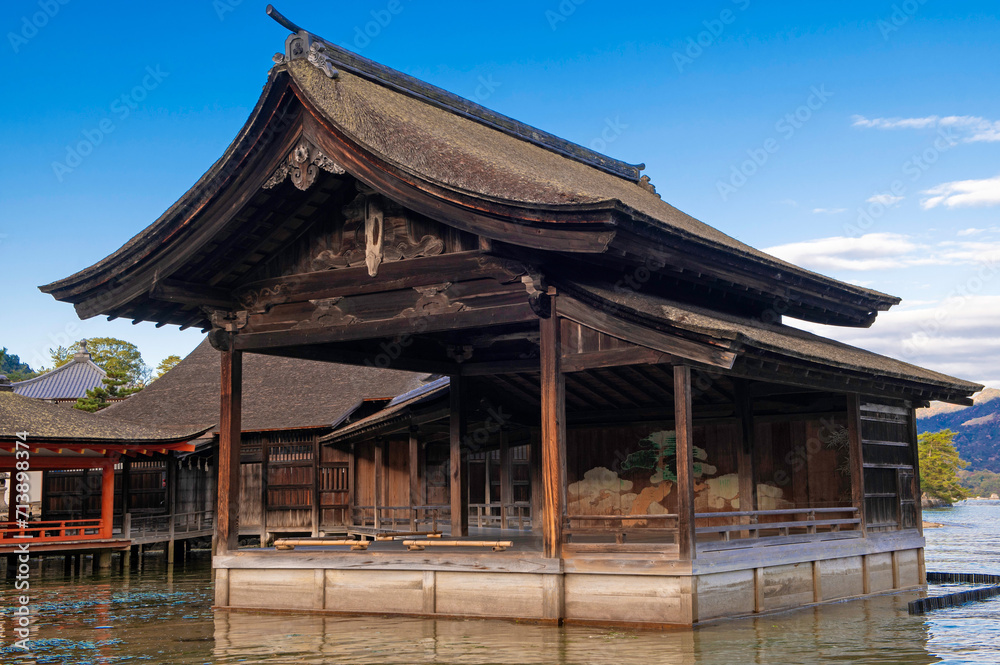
(115, 385)
(939, 466)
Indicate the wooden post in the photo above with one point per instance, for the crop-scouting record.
(745, 463)
(459, 486)
(553, 388)
(350, 484)
(377, 494)
(918, 505)
(107, 498)
(317, 511)
(506, 489)
(171, 463)
(227, 523)
(414, 464)
(857, 460)
(126, 487)
(686, 536)
(265, 455)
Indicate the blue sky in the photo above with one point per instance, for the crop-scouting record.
(859, 139)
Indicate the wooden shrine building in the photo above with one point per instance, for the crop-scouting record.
(38, 436)
(691, 455)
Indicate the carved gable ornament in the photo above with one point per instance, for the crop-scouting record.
(302, 165)
(376, 231)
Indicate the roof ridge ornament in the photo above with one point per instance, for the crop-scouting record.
(303, 164)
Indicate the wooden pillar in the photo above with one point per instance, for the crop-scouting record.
(317, 511)
(265, 456)
(459, 486)
(351, 501)
(414, 468)
(227, 523)
(535, 478)
(745, 455)
(916, 476)
(857, 460)
(686, 536)
(553, 388)
(107, 498)
(379, 470)
(126, 486)
(506, 488)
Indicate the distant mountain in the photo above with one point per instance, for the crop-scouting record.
(976, 427)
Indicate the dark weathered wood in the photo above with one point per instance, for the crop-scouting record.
(265, 458)
(185, 293)
(379, 475)
(506, 485)
(610, 325)
(230, 426)
(394, 327)
(686, 538)
(856, 459)
(553, 388)
(317, 510)
(912, 423)
(744, 415)
(416, 496)
(458, 486)
(578, 362)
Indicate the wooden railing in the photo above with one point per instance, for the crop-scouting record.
(167, 527)
(621, 526)
(54, 531)
(749, 524)
(515, 515)
(396, 518)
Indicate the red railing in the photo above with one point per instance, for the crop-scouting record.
(53, 531)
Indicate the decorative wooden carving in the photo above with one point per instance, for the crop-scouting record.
(375, 231)
(374, 236)
(228, 321)
(252, 300)
(326, 314)
(433, 300)
(303, 165)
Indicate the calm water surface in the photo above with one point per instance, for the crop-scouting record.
(162, 616)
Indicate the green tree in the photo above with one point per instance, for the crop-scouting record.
(166, 365)
(939, 466)
(111, 355)
(12, 367)
(115, 385)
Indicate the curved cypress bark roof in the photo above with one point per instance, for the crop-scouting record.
(454, 161)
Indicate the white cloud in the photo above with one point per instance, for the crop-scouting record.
(829, 211)
(789, 202)
(884, 251)
(957, 336)
(970, 232)
(974, 129)
(963, 193)
(887, 200)
(872, 251)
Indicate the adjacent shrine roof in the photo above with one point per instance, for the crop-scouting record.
(69, 381)
(278, 393)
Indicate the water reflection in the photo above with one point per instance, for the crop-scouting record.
(872, 631)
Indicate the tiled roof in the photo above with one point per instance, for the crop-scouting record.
(70, 381)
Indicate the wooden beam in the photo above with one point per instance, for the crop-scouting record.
(912, 423)
(459, 486)
(265, 456)
(406, 326)
(317, 510)
(578, 362)
(185, 293)
(378, 498)
(745, 454)
(553, 388)
(230, 429)
(686, 538)
(857, 459)
(609, 324)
